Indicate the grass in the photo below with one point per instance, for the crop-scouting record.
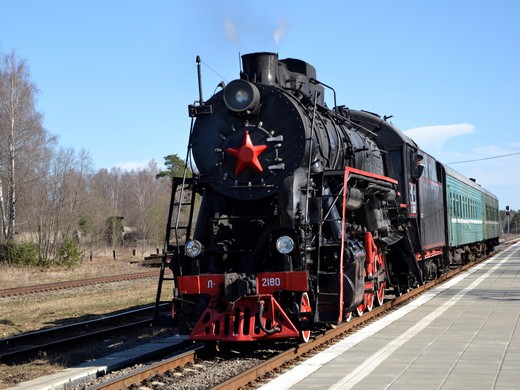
(102, 264)
(31, 312)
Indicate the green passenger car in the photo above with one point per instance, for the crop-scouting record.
(472, 212)
(491, 217)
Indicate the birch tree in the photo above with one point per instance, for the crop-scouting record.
(22, 136)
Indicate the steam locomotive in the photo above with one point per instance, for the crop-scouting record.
(298, 216)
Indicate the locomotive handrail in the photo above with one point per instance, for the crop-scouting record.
(314, 81)
(309, 164)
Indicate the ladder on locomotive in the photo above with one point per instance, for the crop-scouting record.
(328, 301)
(178, 229)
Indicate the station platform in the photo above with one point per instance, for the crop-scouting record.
(463, 334)
(75, 376)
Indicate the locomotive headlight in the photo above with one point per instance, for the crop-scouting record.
(284, 245)
(193, 248)
(241, 95)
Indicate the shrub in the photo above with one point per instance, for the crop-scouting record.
(21, 253)
(69, 253)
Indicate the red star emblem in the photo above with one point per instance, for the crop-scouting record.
(247, 155)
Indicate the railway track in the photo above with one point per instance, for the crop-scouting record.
(26, 346)
(15, 291)
(269, 365)
(140, 375)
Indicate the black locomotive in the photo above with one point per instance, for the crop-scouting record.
(299, 215)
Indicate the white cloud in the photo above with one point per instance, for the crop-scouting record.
(432, 138)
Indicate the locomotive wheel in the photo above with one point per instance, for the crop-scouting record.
(367, 305)
(369, 301)
(305, 307)
(379, 288)
(368, 297)
(380, 293)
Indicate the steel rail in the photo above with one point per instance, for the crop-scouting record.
(125, 381)
(38, 288)
(20, 346)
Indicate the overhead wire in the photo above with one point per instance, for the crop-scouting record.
(214, 71)
(484, 158)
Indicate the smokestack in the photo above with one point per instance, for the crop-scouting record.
(261, 67)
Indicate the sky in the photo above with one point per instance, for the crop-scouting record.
(115, 77)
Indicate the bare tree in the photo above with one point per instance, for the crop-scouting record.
(58, 200)
(135, 195)
(146, 193)
(108, 185)
(21, 133)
